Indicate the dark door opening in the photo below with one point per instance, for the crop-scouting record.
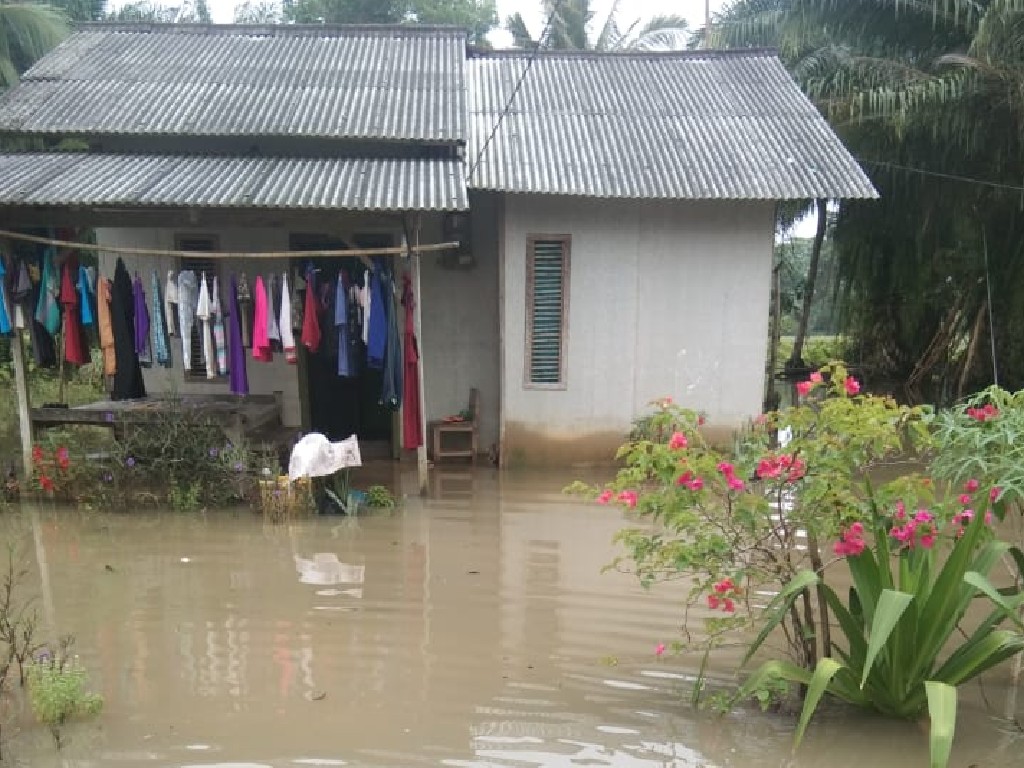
(335, 405)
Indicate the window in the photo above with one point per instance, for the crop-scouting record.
(547, 310)
(199, 265)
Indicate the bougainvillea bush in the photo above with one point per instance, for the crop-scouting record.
(763, 532)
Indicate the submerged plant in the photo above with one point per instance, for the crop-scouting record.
(58, 692)
(379, 497)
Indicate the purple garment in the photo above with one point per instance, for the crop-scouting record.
(141, 323)
(237, 377)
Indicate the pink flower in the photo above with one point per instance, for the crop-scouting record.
(629, 498)
(901, 510)
(735, 484)
(659, 649)
(972, 485)
(605, 497)
(723, 586)
(985, 413)
(684, 479)
(928, 540)
(803, 388)
(965, 499)
(728, 605)
(815, 378)
(852, 386)
(923, 516)
(851, 541)
(797, 471)
(988, 518)
(677, 442)
(857, 528)
(714, 601)
(993, 495)
(726, 468)
(767, 467)
(696, 484)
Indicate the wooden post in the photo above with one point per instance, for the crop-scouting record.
(21, 387)
(422, 471)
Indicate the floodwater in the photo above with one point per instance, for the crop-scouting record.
(471, 629)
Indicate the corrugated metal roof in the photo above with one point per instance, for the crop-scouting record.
(63, 179)
(397, 83)
(708, 125)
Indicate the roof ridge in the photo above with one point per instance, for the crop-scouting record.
(267, 30)
(718, 53)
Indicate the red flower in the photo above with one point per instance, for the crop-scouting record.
(37, 454)
(985, 413)
(714, 601)
(993, 494)
(46, 483)
(803, 388)
(815, 378)
(852, 386)
(728, 605)
(677, 442)
(63, 458)
(684, 479)
(605, 497)
(629, 498)
(696, 484)
(972, 485)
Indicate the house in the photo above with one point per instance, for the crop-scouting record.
(616, 211)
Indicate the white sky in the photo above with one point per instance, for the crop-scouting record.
(692, 10)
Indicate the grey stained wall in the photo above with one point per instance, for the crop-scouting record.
(665, 299)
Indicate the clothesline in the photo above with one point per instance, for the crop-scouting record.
(361, 252)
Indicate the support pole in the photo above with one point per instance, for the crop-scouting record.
(422, 471)
(21, 387)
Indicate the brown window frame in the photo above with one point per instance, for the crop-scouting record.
(531, 243)
(185, 242)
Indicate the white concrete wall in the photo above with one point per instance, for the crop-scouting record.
(665, 298)
(460, 325)
(264, 378)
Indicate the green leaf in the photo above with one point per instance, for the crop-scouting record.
(773, 670)
(779, 607)
(823, 674)
(1009, 605)
(942, 711)
(891, 606)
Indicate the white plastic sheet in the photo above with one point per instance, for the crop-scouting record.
(316, 456)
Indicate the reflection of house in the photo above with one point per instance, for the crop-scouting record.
(616, 210)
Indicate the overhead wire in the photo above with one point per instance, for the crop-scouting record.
(555, 7)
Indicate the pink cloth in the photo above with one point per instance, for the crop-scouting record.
(260, 340)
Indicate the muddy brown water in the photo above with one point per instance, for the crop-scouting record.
(471, 629)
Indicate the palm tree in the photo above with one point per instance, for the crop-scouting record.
(927, 93)
(27, 32)
(569, 30)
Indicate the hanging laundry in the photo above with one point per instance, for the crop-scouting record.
(76, 351)
(85, 297)
(310, 322)
(377, 338)
(188, 299)
(103, 297)
(273, 311)
(128, 382)
(21, 295)
(238, 380)
(245, 310)
(412, 425)
(205, 315)
(365, 298)
(5, 316)
(328, 330)
(296, 302)
(285, 322)
(170, 302)
(341, 322)
(356, 348)
(219, 341)
(260, 340)
(391, 395)
(47, 307)
(142, 348)
(161, 339)
(44, 350)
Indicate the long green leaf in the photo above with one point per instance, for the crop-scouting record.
(773, 670)
(978, 655)
(779, 607)
(1009, 605)
(823, 674)
(852, 628)
(942, 711)
(891, 606)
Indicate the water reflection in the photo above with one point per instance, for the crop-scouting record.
(473, 630)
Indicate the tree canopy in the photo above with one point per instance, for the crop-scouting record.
(27, 32)
(478, 16)
(927, 94)
(572, 28)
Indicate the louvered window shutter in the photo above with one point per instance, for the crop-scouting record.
(546, 307)
(199, 265)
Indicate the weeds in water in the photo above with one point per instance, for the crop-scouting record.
(18, 623)
(57, 686)
(379, 497)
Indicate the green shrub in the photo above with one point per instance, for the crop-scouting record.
(58, 692)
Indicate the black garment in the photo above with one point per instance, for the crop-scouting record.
(44, 348)
(128, 383)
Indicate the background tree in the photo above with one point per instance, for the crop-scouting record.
(27, 32)
(928, 95)
(258, 12)
(478, 16)
(572, 23)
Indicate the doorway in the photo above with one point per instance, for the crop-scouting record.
(335, 405)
